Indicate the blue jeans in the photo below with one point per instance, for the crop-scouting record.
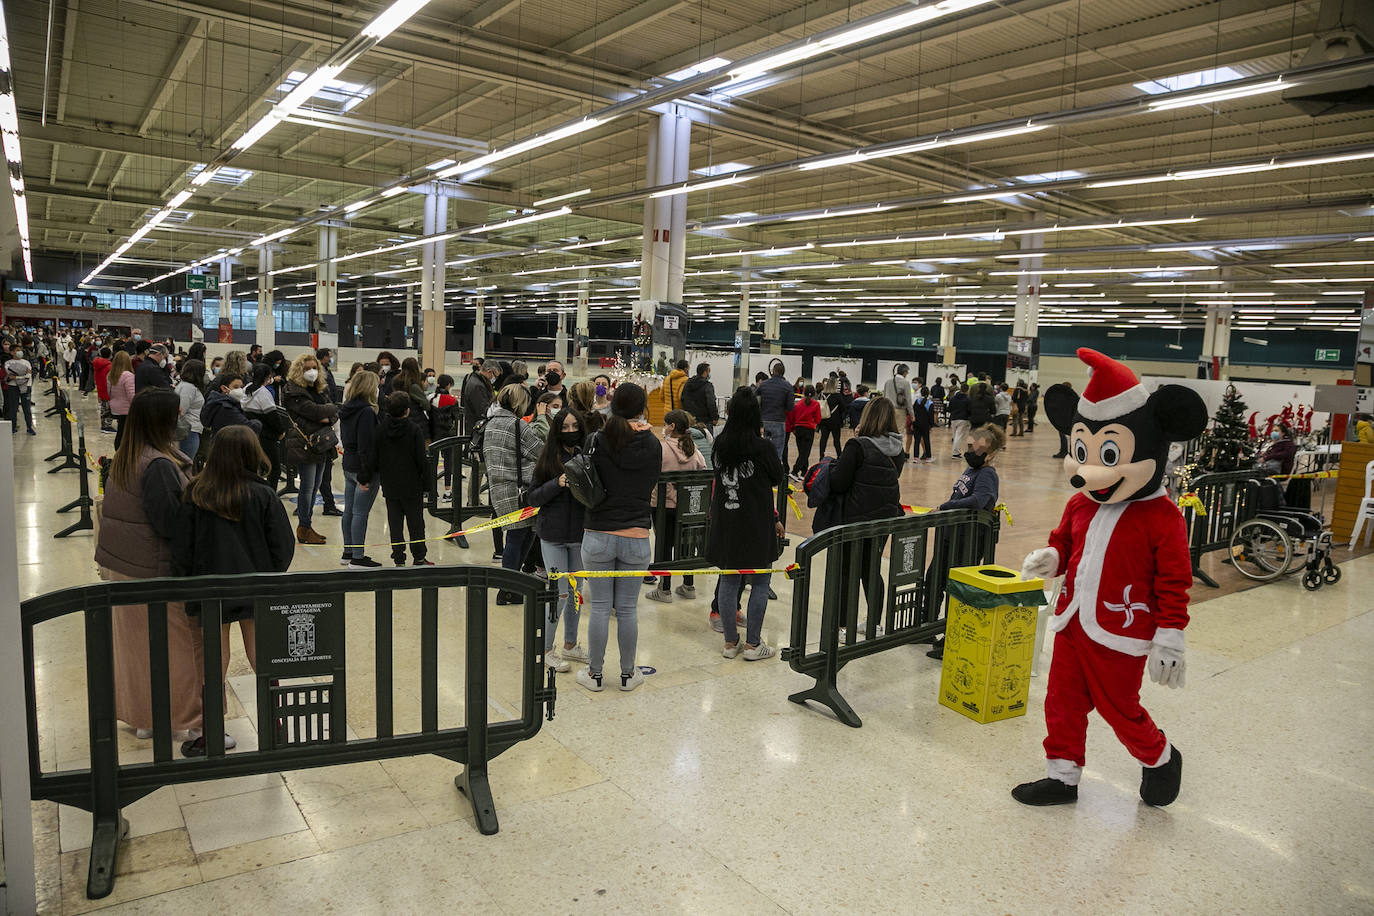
(776, 433)
(357, 504)
(513, 553)
(305, 497)
(190, 445)
(563, 558)
(611, 551)
(730, 587)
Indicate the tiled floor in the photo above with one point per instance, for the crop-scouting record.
(706, 791)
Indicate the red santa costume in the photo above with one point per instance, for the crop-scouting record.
(1122, 548)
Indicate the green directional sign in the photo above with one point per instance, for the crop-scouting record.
(918, 341)
(1329, 356)
(202, 281)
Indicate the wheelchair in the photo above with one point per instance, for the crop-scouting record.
(1276, 541)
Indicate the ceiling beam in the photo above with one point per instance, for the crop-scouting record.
(608, 30)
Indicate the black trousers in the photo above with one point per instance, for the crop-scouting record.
(804, 437)
(921, 443)
(830, 429)
(409, 513)
(326, 487)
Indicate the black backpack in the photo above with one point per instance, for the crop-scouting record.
(583, 480)
(443, 421)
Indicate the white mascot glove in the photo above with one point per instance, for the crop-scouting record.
(1166, 663)
(1040, 564)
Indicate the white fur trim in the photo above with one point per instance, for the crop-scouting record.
(1088, 577)
(1163, 758)
(1169, 637)
(1066, 771)
(1118, 405)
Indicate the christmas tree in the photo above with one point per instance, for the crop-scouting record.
(1226, 445)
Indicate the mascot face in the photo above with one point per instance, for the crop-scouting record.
(1119, 436)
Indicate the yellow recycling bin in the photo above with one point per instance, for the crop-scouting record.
(989, 641)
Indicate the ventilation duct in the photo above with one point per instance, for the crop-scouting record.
(1345, 30)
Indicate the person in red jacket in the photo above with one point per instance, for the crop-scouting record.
(802, 421)
(1122, 548)
(101, 367)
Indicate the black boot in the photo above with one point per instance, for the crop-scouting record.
(1045, 791)
(937, 649)
(1159, 785)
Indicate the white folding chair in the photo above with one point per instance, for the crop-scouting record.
(1366, 513)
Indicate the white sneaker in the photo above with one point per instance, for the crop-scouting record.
(631, 681)
(659, 594)
(591, 681)
(143, 733)
(686, 591)
(556, 662)
(761, 651)
(732, 651)
(575, 654)
(229, 742)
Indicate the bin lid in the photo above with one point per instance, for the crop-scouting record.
(999, 580)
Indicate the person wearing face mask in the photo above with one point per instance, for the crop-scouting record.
(18, 385)
(224, 406)
(603, 395)
(559, 527)
(679, 454)
(387, 366)
(976, 488)
(152, 371)
(478, 394)
(1278, 456)
(309, 438)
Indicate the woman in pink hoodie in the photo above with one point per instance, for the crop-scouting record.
(679, 454)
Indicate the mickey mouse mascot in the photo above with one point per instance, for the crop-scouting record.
(1123, 551)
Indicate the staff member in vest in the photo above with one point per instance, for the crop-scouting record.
(311, 413)
(866, 477)
(137, 521)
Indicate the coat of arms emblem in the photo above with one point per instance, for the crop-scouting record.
(300, 635)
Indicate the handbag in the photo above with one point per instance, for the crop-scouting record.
(321, 444)
(583, 480)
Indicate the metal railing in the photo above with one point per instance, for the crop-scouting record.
(1229, 499)
(906, 604)
(682, 544)
(463, 471)
(301, 681)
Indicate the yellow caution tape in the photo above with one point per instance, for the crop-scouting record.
(1313, 475)
(71, 417)
(922, 510)
(510, 518)
(1192, 501)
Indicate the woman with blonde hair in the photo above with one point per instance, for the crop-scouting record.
(358, 430)
(121, 387)
(236, 361)
(137, 521)
(310, 438)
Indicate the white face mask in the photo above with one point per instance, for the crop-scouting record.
(138, 337)
(385, 368)
(237, 394)
(18, 354)
(311, 375)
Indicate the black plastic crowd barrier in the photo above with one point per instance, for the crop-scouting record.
(70, 459)
(84, 502)
(1228, 500)
(464, 473)
(906, 603)
(56, 392)
(301, 682)
(680, 539)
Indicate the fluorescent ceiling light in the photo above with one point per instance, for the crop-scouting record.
(569, 196)
(1218, 95)
(9, 126)
(1224, 170)
(721, 168)
(701, 185)
(524, 146)
(709, 65)
(1325, 264)
(224, 174)
(1190, 80)
(439, 164)
(392, 18)
(845, 159)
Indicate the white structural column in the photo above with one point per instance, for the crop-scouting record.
(742, 329)
(582, 328)
(327, 289)
(434, 331)
(357, 318)
(267, 321)
(479, 327)
(1027, 318)
(947, 349)
(772, 324)
(664, 248)
(1216, 342)
(226, 300)
(410, 317)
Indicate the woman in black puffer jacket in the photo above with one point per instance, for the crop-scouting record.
(311, 412)
(559, 526)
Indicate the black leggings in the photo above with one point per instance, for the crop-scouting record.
(920, 443)
(829, 430)
(804, 437)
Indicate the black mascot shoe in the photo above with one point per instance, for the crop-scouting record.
(1159, 785)
(1045, 791)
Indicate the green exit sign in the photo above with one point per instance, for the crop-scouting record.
(1328, 356)
(202, 281)
(918, 341)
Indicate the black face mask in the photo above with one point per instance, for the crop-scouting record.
(570, 438)
(975, 460)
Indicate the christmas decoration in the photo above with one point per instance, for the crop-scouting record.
(1227, 444)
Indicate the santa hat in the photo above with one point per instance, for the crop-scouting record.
(1113, 389)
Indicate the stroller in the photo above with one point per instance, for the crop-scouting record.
(1277, 540)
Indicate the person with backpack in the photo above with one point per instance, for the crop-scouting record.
(559, 526)
(803, 419)
(922, 421)
(744, 532)
(679, 454)
(898, 390)
(627, 457)
(832, 416)
(866, 478)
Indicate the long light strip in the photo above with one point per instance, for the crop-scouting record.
(561, 197)
(524, 146)
(378, 28)
(1270, 166)
(9, 126)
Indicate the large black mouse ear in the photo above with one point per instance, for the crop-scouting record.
(1179, 411)
(1061, 403)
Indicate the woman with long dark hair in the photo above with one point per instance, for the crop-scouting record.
(412, 381)
(231, 523)
(190, 388)
(387, 367)
(627, 457)
(261, 404)
(804, 417)
(137, 520)
(560, 526)
(744, 529)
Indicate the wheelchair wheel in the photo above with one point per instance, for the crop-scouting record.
(1261, 550)
(1332, 574)
(1312, 581)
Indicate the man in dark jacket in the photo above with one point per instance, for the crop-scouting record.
(959, 418)
(776, 398)
(478, 394)
(404, 472)
(152, 371)
(982, 405)
(224, 406)
(699, 396)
